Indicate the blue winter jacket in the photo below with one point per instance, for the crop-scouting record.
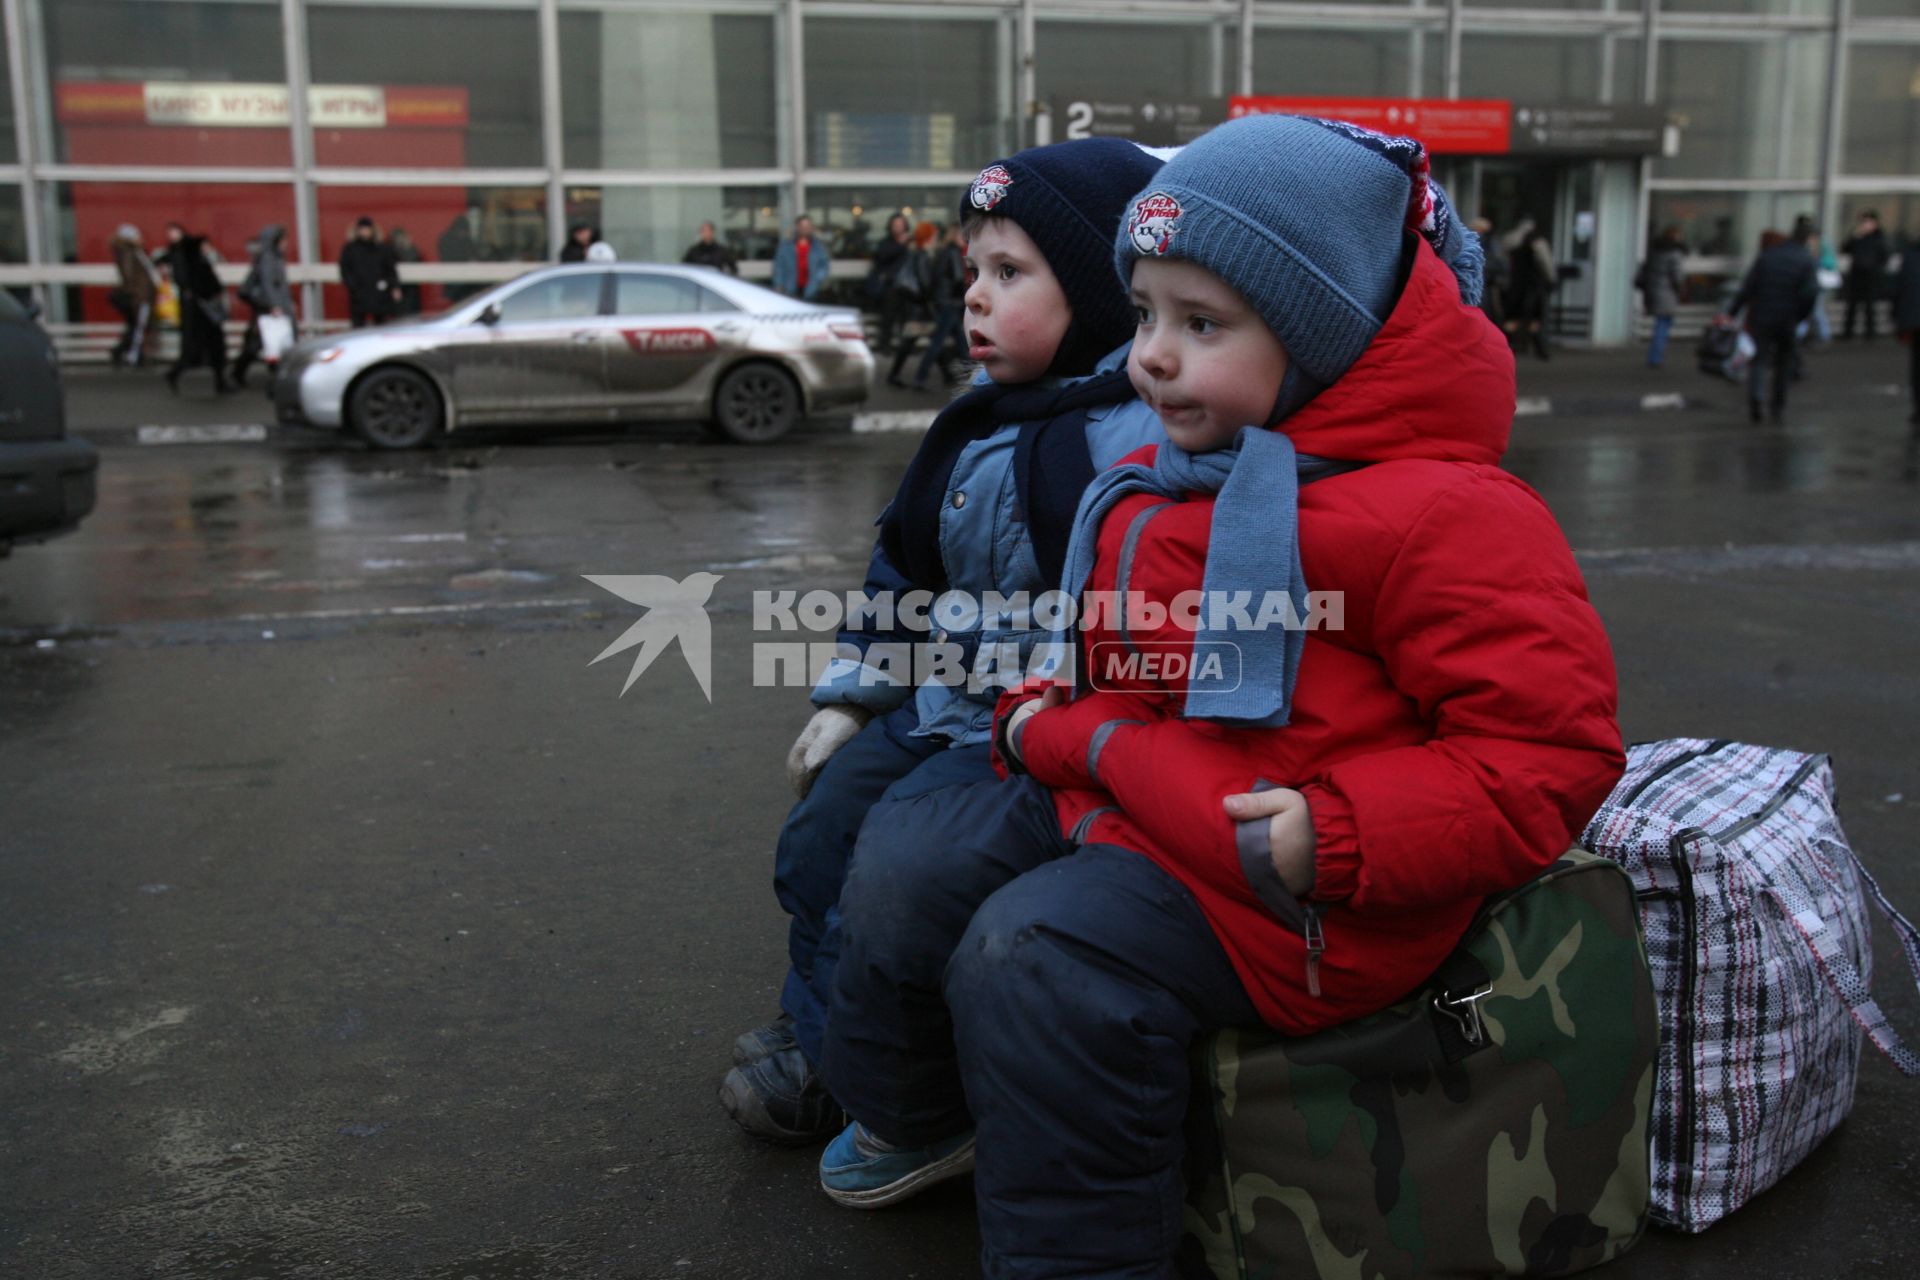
(985, 547)
(786, 268)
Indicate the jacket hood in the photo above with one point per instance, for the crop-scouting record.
(1436, 383)
(273, 237)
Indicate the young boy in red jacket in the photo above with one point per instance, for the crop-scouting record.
(1337, 407)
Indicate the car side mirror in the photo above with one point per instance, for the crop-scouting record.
(491, 315)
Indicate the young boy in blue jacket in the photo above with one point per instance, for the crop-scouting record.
(986, 506)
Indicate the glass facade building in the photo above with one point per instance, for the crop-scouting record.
(484, 128)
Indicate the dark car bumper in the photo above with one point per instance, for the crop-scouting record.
(46, 487)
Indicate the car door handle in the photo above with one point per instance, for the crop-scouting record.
(726, 326)
(584, 338)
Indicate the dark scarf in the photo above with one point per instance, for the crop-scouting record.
(1052, 466)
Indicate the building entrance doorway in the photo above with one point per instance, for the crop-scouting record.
(1558, 197)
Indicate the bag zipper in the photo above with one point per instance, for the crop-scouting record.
(1689, 979)
(1786, 789)
(1667, 768)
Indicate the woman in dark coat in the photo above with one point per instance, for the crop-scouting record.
(1530, 287)
(203, 309)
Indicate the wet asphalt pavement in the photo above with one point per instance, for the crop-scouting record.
(355, 926)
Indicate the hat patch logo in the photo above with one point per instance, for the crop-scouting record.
(1151, 225)
(990, 188)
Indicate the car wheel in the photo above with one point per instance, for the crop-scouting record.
(756, 403)
(395, 409)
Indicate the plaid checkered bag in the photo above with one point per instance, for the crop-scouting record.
(1758, 937)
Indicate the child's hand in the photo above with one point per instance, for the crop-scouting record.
(1055, 696)
(830, 729)
(1290, 834)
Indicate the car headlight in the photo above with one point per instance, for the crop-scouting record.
(330, 355)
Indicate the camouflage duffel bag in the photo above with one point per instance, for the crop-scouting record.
(1495, 1122)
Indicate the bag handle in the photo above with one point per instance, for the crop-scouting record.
(1840, 972)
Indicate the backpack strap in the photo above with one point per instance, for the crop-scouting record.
(1839, 971)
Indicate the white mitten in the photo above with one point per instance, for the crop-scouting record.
(830, 729)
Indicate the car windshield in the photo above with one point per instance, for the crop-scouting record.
(492, 293)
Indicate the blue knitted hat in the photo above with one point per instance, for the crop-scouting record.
(1306, 219)
(1069, 197)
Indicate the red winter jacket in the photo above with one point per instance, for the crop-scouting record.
(1451, 740)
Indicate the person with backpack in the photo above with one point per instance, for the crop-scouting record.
(1663, 287)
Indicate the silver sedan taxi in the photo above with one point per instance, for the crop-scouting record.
(583, 343)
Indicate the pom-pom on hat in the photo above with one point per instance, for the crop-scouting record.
(1306, 219)
(1069, 197)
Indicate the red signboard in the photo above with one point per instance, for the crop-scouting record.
(242, 106)
(1449, 126)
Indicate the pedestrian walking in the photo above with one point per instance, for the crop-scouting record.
(203, 307)
(800, 264)
(134, 296)
(1663, 287)
(892, 282)
(947, 341)
(917, 269)
(580, 237)
(266, 293)
(707, 251)
(1774, 298)
(1867, 254)
(372, 277)
(1906, 319)
(1531, 284)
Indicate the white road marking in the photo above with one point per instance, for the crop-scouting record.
(1664, 400)
(1532, 406)
(898, 420)
(406, 610)
(226, 433)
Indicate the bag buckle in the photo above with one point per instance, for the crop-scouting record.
(1464, 1010)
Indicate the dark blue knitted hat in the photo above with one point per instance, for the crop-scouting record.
(1069, 197)
(1306, 219)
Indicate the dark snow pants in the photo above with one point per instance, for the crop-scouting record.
(810, 860)
(993, 975)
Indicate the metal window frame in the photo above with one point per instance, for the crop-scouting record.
(35, 173)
